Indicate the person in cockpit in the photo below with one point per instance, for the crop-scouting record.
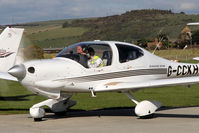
(94, 61)
(82, 54)
(80, 50)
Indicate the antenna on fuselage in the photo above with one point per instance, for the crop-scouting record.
(158, 45)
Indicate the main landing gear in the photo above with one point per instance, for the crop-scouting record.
(144, 109)
(58, 106)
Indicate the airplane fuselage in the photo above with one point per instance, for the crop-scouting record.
(65, 75)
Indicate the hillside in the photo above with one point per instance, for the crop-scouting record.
(137, 24)
(130, 26)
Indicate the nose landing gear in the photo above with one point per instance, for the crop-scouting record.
(56, 105)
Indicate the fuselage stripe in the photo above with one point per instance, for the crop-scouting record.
(121, 74)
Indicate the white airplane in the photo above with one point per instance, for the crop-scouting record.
(127, 67)
(193, 24)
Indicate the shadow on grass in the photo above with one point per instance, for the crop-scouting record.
(16, 98)
(13, 109)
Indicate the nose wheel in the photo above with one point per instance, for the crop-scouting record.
(58, 106)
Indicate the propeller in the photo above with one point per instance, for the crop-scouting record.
(18, 71)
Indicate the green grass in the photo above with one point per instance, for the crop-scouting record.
(57, 33)
(169, 96)
(16, 99)
(178, 54)
(55, 36)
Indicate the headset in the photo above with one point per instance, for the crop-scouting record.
(84, 48)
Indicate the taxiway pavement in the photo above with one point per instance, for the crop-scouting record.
(182, 120)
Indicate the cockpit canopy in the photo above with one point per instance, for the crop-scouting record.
(80, 52)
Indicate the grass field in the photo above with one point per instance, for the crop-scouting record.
(178, 54)
(55, 36)
(15, 99)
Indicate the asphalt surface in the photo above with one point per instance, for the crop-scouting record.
(182, 120)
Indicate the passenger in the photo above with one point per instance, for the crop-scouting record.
(83, 57)
(94, 61)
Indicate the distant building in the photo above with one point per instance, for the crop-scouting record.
(184, 38)
(52, 50)
(187, 33)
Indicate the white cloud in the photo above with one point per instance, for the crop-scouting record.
(187, 6)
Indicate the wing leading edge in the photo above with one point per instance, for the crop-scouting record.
(7, 76)
(122, 86)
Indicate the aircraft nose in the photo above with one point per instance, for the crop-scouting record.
(18, 71)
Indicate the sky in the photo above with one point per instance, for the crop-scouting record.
(22, 11)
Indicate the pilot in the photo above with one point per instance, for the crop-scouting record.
(83, 57)
(80, 50)
(94, 61)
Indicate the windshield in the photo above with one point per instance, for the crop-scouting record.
(80, 53)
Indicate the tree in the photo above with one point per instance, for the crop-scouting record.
(64, 25)
(164, 39)
(142, 43)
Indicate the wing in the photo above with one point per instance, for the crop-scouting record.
(196, 58)
(122, 86)
(7, 76)
(193, 23)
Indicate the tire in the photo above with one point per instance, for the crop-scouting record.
(37, 119)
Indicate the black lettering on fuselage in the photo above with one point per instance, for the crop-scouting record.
(179, 70)
(189, 70)
(184, 70)
(195, 69)
(169, 71)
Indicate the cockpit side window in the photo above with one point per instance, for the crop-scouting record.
(80, 53)
(127, 53)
